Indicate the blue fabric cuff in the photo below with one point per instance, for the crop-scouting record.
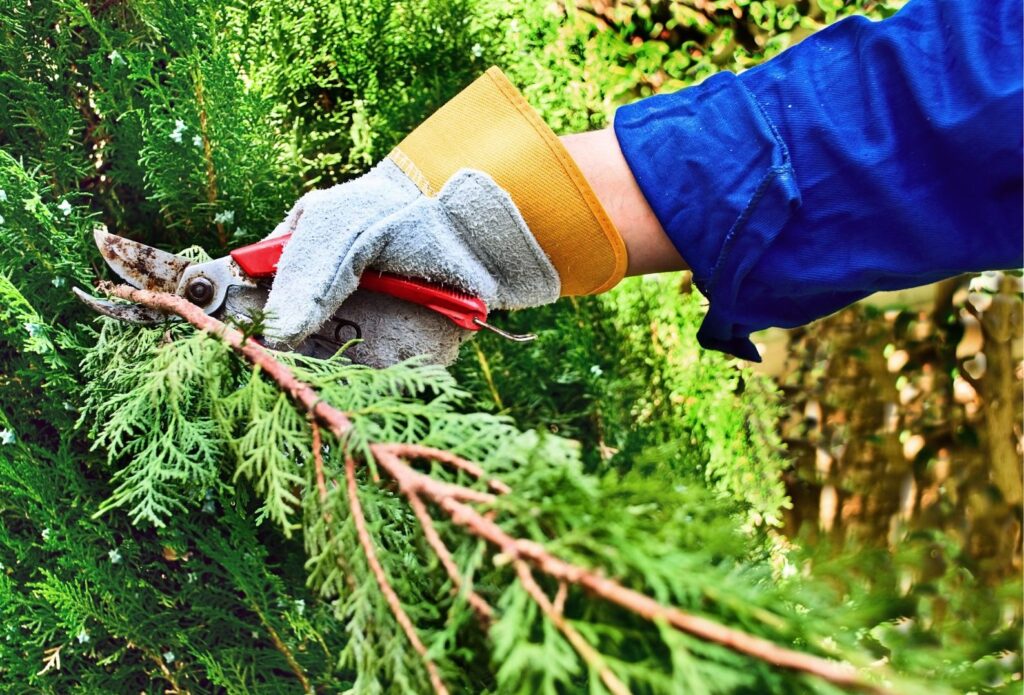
(730, 191)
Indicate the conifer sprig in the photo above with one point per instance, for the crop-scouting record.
(457, 501)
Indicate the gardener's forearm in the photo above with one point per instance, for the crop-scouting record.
(598, 156)
(844, 166)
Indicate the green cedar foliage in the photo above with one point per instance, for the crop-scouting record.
(141, 109)
(671, 536)
(625, 376)
(351, 79)
(657, 527)
(578, 60)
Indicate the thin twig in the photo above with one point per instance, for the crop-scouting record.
(587, 653)
(560, 596)
(408, 451)
(382, 580)
(321, 484)
(483, 609)
(211, 171)
(175, 688)
(279, 644)
(457, 491)
(414, 482)
(485, 368)
(51, 659)
(318, 463)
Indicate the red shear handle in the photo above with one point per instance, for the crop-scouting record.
(464, 310)
(260, 260)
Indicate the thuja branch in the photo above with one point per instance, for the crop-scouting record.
(382, 581)
(582, 647)
(482, 609)
(280, 646)
(455, 501)
(413, 482)
(303, 394)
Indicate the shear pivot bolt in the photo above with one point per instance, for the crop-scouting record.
(199, 291)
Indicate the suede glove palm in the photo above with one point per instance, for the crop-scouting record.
(482, 198)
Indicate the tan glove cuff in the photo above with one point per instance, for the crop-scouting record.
(490, 127)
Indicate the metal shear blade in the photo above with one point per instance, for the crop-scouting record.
(141, 266)
(219, 286)
(122, 311)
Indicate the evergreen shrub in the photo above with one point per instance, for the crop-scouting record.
(163, 529)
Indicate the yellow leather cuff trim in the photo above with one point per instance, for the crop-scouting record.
(490, 127)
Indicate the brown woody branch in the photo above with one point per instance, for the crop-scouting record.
(633, 601)
(318, 463)
(409, 451)
(451, 499)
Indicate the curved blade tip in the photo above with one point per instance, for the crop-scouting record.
(131, 313)
(140, 265)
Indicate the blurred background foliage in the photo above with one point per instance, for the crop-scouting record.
(879, 456)
(904, 416)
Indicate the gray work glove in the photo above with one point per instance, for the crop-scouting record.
(481, 197)
(470, 236)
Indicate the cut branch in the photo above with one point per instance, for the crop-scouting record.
(633, 601)
(412, 482)
(450, 498)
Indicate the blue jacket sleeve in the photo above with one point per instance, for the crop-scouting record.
(871, 156)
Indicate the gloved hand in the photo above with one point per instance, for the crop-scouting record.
(482, 197)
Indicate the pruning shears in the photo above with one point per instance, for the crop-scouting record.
(236, 287)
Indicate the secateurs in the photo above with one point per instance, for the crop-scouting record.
(236, 287)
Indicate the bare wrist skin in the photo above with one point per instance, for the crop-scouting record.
(599, 158)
